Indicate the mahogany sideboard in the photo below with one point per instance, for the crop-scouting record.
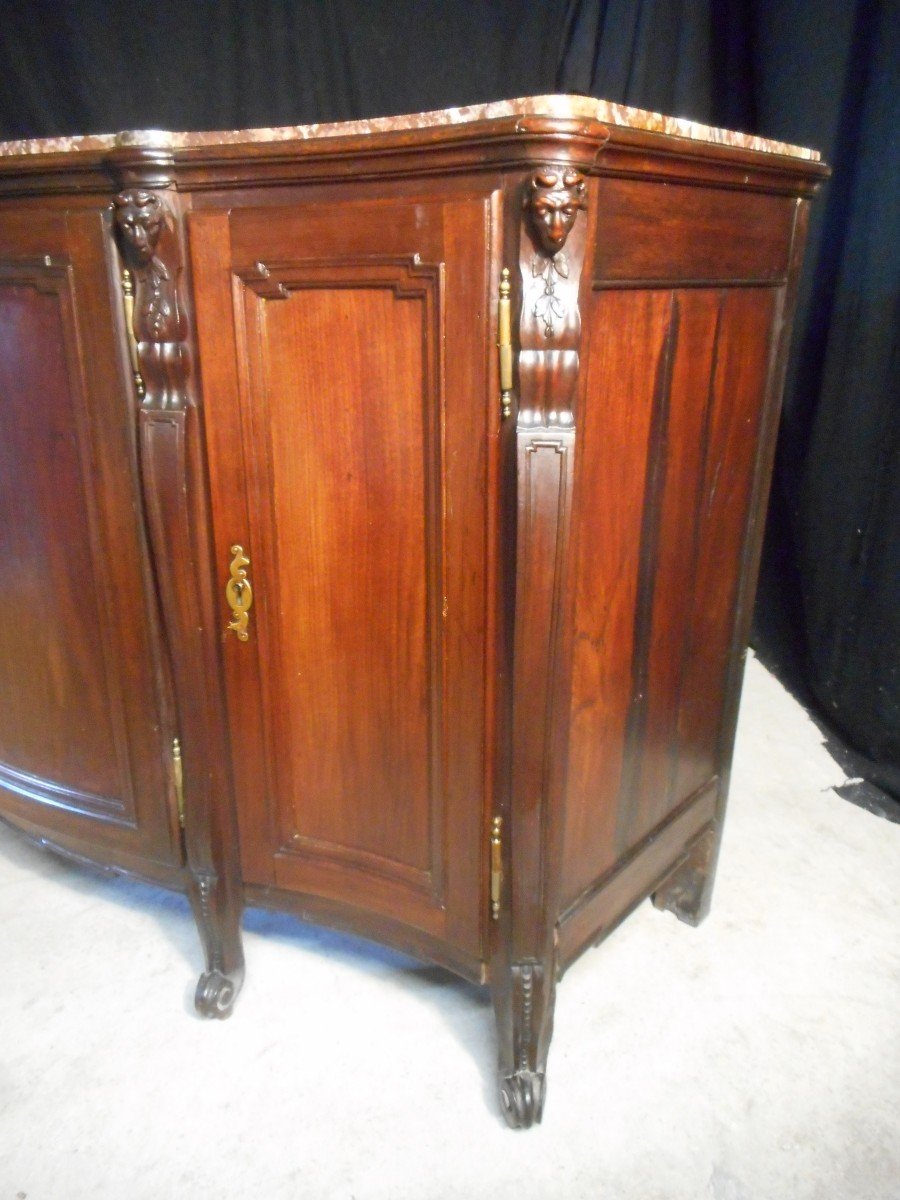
(380, 512)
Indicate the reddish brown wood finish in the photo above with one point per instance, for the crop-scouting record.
(681, 233)
(358, 702)
(80, 744)
(653, 620)
(455, 622)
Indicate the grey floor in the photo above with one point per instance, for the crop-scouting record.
(756, 1058)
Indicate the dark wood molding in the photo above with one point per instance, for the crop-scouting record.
(507, 144)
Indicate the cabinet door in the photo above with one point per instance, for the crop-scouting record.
(345, 356)
(81, 751)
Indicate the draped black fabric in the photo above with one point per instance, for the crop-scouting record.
(824, 73)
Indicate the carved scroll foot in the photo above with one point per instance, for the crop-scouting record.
(524, 1002)
(218, 922)
(522, 1098)
(216, 993)
(687, 892)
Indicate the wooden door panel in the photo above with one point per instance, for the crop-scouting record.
(349, 520)
(80, 741)
(366, 459)
(674, 531)
(742, 365)
(615, 418)
(52, 640)
(658, 537)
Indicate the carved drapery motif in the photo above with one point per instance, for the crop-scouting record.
(150, 249)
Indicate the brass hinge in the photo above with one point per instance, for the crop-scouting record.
(496, 866)
(178, 777)
(128, 304)
(504, 344)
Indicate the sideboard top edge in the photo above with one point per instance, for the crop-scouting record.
(572, 107)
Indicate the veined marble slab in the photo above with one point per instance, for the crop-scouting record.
(545, 106)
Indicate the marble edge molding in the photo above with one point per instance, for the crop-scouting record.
(540, 106)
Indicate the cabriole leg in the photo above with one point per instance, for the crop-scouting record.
(523, 1002)
(218, 922)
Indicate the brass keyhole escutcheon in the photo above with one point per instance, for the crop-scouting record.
(239, 594)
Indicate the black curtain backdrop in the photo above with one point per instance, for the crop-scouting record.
(824, 73)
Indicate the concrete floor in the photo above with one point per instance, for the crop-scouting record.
(756, 1058)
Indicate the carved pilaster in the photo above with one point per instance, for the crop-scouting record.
(170, 446)
(150, 248)
(551, 253)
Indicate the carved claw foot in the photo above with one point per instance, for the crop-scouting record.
(522, 1098)
(687, 892)
(216, 993)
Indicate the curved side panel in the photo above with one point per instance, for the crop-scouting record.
(81, 737)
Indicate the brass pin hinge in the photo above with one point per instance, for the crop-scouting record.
(128, 303)
(496, 866)
(504, 344)
(178, 777)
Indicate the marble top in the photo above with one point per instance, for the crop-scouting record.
(578, 107)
